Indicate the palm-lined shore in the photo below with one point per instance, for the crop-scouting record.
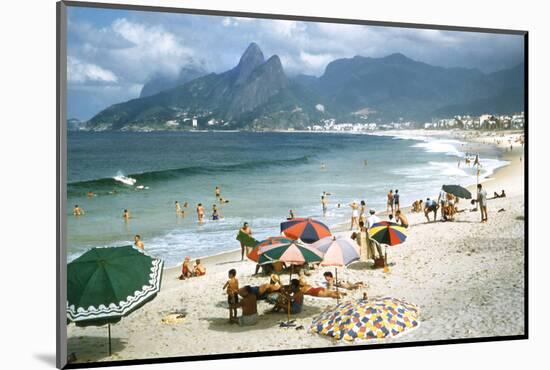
(466, 277)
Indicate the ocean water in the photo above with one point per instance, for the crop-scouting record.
(263, 175)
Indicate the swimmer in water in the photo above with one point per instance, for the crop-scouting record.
(126, 215)
(200, 213)
(179, 211)
(215, 213)
(138, 243)
(77, 211)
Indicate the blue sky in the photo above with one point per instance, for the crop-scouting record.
(112, 53)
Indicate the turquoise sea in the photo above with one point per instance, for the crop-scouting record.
(263, 175)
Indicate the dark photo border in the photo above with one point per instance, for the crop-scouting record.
(61, 194)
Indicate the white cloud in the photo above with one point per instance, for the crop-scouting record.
(81, 72)
(315, 62)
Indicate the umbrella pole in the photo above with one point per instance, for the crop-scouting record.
(336, 283)
(109, 328)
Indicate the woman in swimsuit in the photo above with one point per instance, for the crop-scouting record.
(318, 291)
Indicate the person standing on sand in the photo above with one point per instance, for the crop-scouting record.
(354, 215)
(232, 289)
(138, 243)
(200, 212)
(442, 201)
(371, 221)
(390, 202)
(396, 203)
(482, 200)
(361, 240)
(363, 212)
(247, 230)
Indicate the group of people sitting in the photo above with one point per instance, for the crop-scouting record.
(188, 271)
(286, 298)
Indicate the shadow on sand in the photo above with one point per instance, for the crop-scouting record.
(91, 349)
(266, 319)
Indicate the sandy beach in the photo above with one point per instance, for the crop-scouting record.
(466, 277)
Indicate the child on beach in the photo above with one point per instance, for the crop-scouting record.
(232, 289)
(185, 270)
(198, 268)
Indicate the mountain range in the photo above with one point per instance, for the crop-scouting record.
(258, 94)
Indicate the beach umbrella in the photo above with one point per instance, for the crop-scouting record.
(367, 319)
(338, 252)
(388, 233)
(107, 283)
(307, 230)
(254, 256)
(295, 253)
(457, 191)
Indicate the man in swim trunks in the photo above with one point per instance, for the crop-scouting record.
(401, 219)
(247, 230)
(482, 200)
(390, 202)
(249, 307)
(218, 192)
(430, 206)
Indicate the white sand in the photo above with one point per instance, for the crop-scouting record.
(466, 277)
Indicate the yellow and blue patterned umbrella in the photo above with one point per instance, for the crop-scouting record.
(367, 319)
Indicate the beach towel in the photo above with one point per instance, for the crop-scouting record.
(246, 239)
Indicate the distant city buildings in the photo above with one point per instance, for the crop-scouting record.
(464, 122)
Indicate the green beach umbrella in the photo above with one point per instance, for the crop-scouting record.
(107, 283)
(457, 191)
(295, 253)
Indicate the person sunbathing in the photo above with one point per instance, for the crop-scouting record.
(329, 278)
(323, 292)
